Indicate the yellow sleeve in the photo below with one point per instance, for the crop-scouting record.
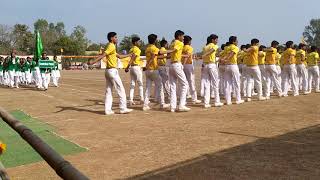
(109, 49)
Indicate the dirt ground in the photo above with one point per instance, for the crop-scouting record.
(275, 139)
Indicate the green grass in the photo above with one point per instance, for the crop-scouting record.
(20, 153)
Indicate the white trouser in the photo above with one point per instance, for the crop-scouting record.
(263, 78)
(11, 77)
(232, 81)
(55, 75)
(211, 77)
(17, 76)
(23, 77)
(6, 78)
(163, 71)
(243, 80)
(28, 77)
(176, 75)
(289, 72)
(45, 80)
(253, 74)
(113, 80)
(36, 75)
(272, 77)
(136, 76)
(1, 77)
(153, 76)
(202, 82)
(189, 72)
(302, 77)
(222, 69)
(313, 76)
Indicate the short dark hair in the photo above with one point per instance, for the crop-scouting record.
(242, 47)
(254, 41)
(232, 39)
(111, 35)
(274, 43)
(301, 45)
(163, 42)
(262, 47)
(135, 39)
(178, 33)
(152, 38)
(248, 46)
(313, 48)
(211, 37)
(289, 44)
(227, 44)
(223, 46)
(187, 39)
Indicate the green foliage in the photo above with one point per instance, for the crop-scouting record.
(126, 44)
(312, 32)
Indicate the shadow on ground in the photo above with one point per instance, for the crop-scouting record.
(295, 155)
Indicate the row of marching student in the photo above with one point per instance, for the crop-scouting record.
(15, 71)
(251, 70)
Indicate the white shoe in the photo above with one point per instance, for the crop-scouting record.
(213, 97)
(206, 106)
(163, 106)
(297, 94)
(196, 102)
(248, 99)
(240, 102)
(254, 94)
(268, 98)
(317, 91)
(184, 109)
(146, 108)
(261, 98)
(109, 112)
(219, 104)
(126, 111)
(131, 103)
(172, 110)
(189, 97)
(285, 95)
(229, 103)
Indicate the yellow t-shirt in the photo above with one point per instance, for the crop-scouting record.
(241, 55)
(152, 49)
(232, 48)
(287, 54)
(111, 56)
(212, 57)
(301, 57)
(271, 56)
(177, 55)
(278, 59)
(187, 49)
(253, 56)
(136, 51)
(261, 58)
(312, 59)
(222, 54)
(163, 61)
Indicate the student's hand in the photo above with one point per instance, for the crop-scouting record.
(126, 70)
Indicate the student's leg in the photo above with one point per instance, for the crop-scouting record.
(293, 77)
(284, 78)
(249, 79)
(148, 88)
(11, 78)
(316, 79)
(189, 72)
(221, 78)
(227, 84)
(159, 86)
(108, 96)
(173, 86)
(165, 79)
(133, 77)
(236, 83)
(275, 79)
(304, 78)
(140, 82)
(182, 80)
(257, 80)
(206, 79)
(202, 83)
(214, 81)
(117, 83)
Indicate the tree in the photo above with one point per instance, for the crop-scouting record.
(23, 38)
(94, 47)
(312, 32)
(6, 39)
(41, 25)
(126, 44)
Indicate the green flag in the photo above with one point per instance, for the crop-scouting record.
(38, 47)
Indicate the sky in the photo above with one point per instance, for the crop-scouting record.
(266, 20)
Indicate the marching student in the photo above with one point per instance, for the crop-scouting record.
(176, 74)
(55, 73)
(313, 69)
(22, 77)
(253, 72)
(12, 66)
(152, 73)
(243, 75)
(135, 70)
(221, 67)
(289, 71)
(45, 73)
(163, 70)
(211, 74)
(271, 69)
(302, 72)
(188, 68)
(27, 69)
(112, 76)
(232, 74)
